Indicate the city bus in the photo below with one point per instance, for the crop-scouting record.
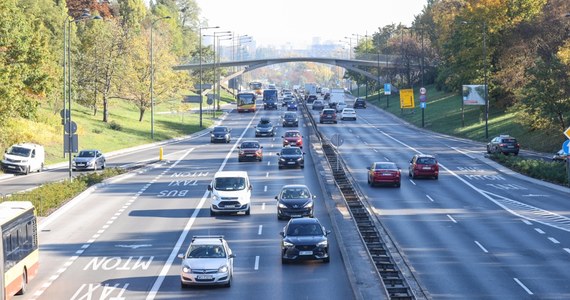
(19, 259)
(246, 101)
(256, 86)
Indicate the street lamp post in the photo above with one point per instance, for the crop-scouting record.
(152, 77)
(215, 35)
(66, 114)
(228, 37)
(200, 55)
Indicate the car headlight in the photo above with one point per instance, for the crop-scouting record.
(212, 135)
(287, 244)
(308, 204)
(215, 198)
(186, 269)
(257, 130)
(73, 163)
(281, 205)
(241, 152)
(323, 243)
(299, 159)
(223, 269)
(91, 162)
(281, 159)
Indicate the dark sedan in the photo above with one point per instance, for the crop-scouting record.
(359, 103)
(292, 105)
(220, 134)
(294, 201)
(384, 173)
(304, 239)
(290, 119)
(291, 157)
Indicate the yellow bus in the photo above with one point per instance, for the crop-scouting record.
(256, 86)
(246, 101)
(19, 246)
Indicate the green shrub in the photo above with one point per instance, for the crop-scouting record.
(115, 126)
(97, 130)
(554, 172)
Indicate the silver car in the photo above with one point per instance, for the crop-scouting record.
(88, 160)
(208, 261)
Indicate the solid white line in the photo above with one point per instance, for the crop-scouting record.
(481, 246)
(430, 199)
(539, 230)
(553, 240)
(452, 219)
(567, 250)
(256, 266)
(260, 230)
(527, 222)
(523, 286)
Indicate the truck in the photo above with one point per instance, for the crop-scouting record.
(270, 97)
(24, 158)
(310, 89)
(336, 96)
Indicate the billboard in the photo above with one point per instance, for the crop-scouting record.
(474, 94)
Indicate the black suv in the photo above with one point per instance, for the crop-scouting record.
(303, 239)
(503, 144)
(270, 104)
(291, 157)
(328, 115)
(290, 119)
(264, 128)
(294, 201)
(359, 103)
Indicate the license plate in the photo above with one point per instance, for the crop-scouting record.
(204, 277)
(250, 155)
(510, 146)
(291, 163)
(11, 167)
(386, 174)
(295, 216)
(237, 205)
(305, 252)
(426, 168)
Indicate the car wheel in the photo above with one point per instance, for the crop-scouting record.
(284, 261)
(95, 167)
(229, 284)
(248, 211)
(327, 260)
(103, 166)
(41, 167)
(302, 166)
(24, 286)
(27, 171)
(398, 185)
(435, 177)
(240, 160)
(212, 213)
(183, 285)
(488, 150)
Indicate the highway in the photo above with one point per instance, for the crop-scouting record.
(121, 240)
(480, 231)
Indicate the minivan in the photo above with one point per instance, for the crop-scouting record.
(230, 192)
(24, 158)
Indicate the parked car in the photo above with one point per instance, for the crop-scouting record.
(359, 103)
(423, 165)
(348, 114)
(264, 128)
(295, 201)
(290, 119)
(560, 156)
(293, 138)
(291, 157)
(318, 104)
(384, 173)
(250, 150)
(88, 160)
(503, 144)
(304, 239)
(220, 134)
(328, 115)
(209, 260)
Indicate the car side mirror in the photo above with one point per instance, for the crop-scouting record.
(276, 198)
(304, 153)
(278, 154)
(261, 147)
(209, 187)
(282, 234)
(239, 147)
(181, 256)
(328, 232)
(232, 255)
(251, 187)
(282, 137)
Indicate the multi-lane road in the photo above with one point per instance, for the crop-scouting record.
(479, 232)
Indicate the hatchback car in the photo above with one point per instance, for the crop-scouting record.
(311, 98)
(250, 150)
(220, 134)
(318, 104)
(290, 119)
(293, 138)
(348, 114)
(295, 201)
(264, 128)
(208, 261)
(359, 103)
(287, 100)
(292, 105)
(304, 239)
(503, 144)
(291, 157)
(384, 173)
(88, 160)
(340, 106)
(328, 115)
(422, 165)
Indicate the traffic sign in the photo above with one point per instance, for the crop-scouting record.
(337, 140)
(68, 129)
(423, 98)
(192, 99)
(387, 89)
(74, 143)
(422, 105)
(566, 147)
(423, 91)
(64, 113)
(567, 132)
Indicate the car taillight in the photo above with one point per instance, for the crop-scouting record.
(502, 145)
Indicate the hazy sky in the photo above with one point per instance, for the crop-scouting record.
(278, 22)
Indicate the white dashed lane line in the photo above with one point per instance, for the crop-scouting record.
(430, 199)
(452, 219)
(256, 266)
(523, 286)
(481, 246)
(260, 230)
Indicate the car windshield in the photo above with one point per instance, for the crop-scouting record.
(206, 251)
(385, 166)
(19, 151)
(249, 145)
(229, 183)
(295, 193)
(290, 116)
(426, 161)
(264, 125)
(291, 151)
(292, 134)
(304, 229)
(220, 129)
(86, 154)
(510, 141)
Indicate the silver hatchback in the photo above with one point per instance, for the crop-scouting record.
(208, 261)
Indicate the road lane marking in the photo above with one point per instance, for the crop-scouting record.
(267, 175)
(481, 246)
(412, 181)
(567, 250)
(256, 266)
(260, 230)
(268, 163)
(430, 199)
(375, 150)
(265, 188)
(553, 240)
(527, 222)
(263, 206)
(523, 286)
(539, 230)
(452, 219)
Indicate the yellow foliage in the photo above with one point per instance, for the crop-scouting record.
(564, 53)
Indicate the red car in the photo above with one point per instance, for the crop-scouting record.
(384, 172)
(422, 165)
(293, 138)
(250, 150)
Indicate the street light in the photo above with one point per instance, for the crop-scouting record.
(66, 115)
(200, 51)
(152, 77)
(484, 23)
(216, 34)
(229, 37)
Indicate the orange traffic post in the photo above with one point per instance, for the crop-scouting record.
(160, 153)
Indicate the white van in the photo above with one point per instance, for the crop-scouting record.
(24, 158)
(230, 191)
